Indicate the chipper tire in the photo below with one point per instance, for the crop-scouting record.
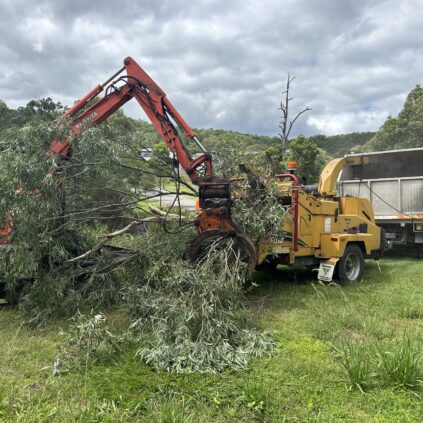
(350, 267)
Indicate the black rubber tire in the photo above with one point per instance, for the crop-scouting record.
(383, 242)
(350, 267)
(267, 266)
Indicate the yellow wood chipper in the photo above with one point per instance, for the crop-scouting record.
(321, 229)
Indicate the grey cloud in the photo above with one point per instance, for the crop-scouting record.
(222, 63)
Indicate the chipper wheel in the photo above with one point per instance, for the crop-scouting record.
(350, 267)
(240, 244)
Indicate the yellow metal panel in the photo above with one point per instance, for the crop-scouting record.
(330, 173)
(333, 245)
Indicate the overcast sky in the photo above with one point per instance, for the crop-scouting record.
(223, 63)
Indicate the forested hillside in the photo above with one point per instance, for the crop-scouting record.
(222, 143)
(230, 147)
(338, 145)
(403, 131)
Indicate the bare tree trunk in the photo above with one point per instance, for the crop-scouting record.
(285, 125)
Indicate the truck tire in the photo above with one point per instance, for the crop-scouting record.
(383, 243)
(350, 267)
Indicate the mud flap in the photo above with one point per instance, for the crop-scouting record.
(327, 269)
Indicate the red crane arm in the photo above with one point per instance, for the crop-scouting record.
(214, 218)
(138, 84)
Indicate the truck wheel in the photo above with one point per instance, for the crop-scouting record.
(351, 266)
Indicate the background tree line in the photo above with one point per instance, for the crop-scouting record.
(230, 148)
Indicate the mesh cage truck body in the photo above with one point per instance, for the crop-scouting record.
(393, 182)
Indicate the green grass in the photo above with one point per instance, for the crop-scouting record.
(305, 380)
(355, 359)
(400, 363)
(169, 185)
(143, 206)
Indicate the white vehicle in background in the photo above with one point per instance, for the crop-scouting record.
(393, 182)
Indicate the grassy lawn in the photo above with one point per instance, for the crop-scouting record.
(143, 206)
(169, 185)
(303, 381)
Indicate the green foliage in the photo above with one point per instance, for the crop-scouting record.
(88, 341)
(58, 203)
(339, 145)
(63, 290)
(26, 163)
(256, 397)
(161, 160)
(355, 359)
(390, 364)
(43, 110)
(259, 214)
(171, 410)
(399, 364)
(186, 317)
(274, 152)
(191, 317)
(230, 148)
(183, 317)
(405, 130)
(310, 159)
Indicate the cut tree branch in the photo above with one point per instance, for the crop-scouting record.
(159, 217)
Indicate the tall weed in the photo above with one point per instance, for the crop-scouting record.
(355, 360)
(395, 364)
(172, 410)
(399, 364)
